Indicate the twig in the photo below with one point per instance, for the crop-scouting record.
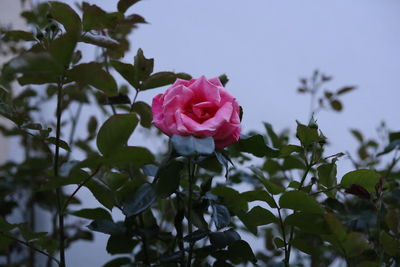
(30, 246)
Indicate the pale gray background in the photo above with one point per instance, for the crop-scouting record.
(264, 47)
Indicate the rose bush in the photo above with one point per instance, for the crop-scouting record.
(199, 107)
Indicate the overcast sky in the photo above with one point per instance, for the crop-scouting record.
(265, 47)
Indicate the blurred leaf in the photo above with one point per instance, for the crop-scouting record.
(95, 18)
(279, 242)
(61, 143)
(299, 200)
(358, 135)
(62, 48)
(241, 250)
(302, 221)
(120, 244)
(327, 175)
(289, 149)
(115, 132)
(191, 146)
(33, 63)
(99, 40)
(366, 178)
(168, 177)
(143, 198)
(158, 79)
(123, 5)
(345, 90)
(392, 219)
(359, 191)
(255, 145)
(336, 226)
(307, 135)
(6, 226)
(106, 227)
(196, 236)
(144, 112)
(93, 74)
(390, 245)
(355, 244)
(115, 180)
(64, 14)
(336, 105)
(223, 79)
(93, 214)
(118, 262)
(16, 36)
(174, 257)
(220, 216)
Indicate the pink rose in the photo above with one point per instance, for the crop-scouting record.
(199, 107)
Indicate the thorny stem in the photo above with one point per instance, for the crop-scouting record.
(191, 170)
(30, 246)
(56, 169)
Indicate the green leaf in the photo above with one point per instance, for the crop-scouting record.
(61, 143)
(327, 177)
(144, 112)
(115, 180)
(120, 244)
(336, 227)
(302, 220)
(390, 245)
(257, 216)
(106, 227)
(230, 198)
(16, 36)
(95, 18)
(101, 193)
(93, 74)
(33, 63)
(127, 71)
(299, 200)
(115, 132)
(355, 244)
(174, 257)
(279, 242)
(241, 250)
(99, 40)
(6, 226)
(358, 135)
(143, 198)
(307, 135)
(123, 5)
(93, 214)
(62, 48)
(259, 195)
(345, 90)
(220, 216)
(168, 177)
(191, 146)
(196, 236)
(366, 178)
(392, 219)
(159, 79)
(271, 187)
(256, 146)
(143, 67)
(223, 239)
(64, 14)
(132, 155)
(289, 149)
(118, 262)
(336, 105)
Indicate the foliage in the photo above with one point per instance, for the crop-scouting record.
(182, 208)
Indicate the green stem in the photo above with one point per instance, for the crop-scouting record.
(190, 226)
(286, 262)
(144, 240)
(56, 169)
